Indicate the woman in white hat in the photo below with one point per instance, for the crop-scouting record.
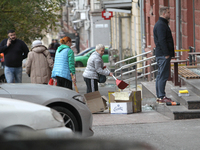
(39, 63)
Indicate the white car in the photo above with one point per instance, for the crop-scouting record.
(25, 115)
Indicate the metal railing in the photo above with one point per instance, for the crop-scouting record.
(144, 73)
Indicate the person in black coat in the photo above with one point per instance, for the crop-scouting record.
(164, 51)
(15, 51)
(77, 38)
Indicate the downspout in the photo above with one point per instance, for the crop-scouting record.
(177, 27)
(143, 43)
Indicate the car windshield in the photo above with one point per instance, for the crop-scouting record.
(85, 51)
(89, 52)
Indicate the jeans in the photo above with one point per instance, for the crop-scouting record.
(13, 74)
(162, 76)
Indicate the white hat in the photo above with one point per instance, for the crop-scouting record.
(36, 42)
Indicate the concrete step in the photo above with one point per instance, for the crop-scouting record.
(190, 102)
(173, 112)
(177, 112)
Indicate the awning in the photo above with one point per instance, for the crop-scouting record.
(124, 6)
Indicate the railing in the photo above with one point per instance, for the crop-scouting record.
(122, 67)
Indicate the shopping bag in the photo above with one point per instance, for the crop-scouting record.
(52, 81)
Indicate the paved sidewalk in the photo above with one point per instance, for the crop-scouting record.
(151, 116)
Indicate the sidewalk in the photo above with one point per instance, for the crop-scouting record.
(105, 118)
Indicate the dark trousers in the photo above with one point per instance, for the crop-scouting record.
(162, 76)
(64, 82)
(92, 85)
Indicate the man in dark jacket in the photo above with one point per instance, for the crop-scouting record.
(14, 51)
(164, 51)
(77, 38)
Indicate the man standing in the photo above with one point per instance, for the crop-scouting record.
(56, 44)
(164, 51)
(77, 38)
(14, 51)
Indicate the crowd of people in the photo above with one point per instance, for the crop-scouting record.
(56, 61)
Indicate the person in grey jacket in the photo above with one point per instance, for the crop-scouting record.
(94, 67)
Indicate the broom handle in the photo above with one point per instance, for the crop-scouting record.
(112, 75)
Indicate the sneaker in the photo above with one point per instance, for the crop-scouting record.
(164, 100)
(167, 98)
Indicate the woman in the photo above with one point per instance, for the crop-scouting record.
(39, 63)
(95, 67)
(64, 64)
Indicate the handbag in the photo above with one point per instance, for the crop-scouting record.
(102, 78)
(52, 81)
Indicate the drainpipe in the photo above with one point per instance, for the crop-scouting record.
(177, 26)
(142, 22)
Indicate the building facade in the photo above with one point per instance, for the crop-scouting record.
(184, 23)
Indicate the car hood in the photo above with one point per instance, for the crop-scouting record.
(37, 93)
(77, 58)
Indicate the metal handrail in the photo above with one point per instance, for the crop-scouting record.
(121, 61)
(132, 64)
(136, 69)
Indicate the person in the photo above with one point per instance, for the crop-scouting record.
(77, 38)
(14, 51)
(164, 52)
(94, 67)
(39, 63)
(52, 50)
(56, 44)
(64, 66)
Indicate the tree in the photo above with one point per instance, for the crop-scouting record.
(30, 19)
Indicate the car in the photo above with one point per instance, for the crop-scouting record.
(71, 105)
(81, 61)
(84, 51)
(33, 117)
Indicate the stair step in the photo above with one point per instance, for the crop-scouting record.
(177, 112)
(191, 102)
(174, 112)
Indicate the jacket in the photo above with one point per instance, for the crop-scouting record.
(39, 65)
(95, 66)
(64, 63)
(163, 38)
(14, 53)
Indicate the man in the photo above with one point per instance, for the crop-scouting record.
(56, 44)
(164, 51)
(14, 51)
(77, 38)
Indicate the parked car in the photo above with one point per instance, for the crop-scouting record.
(81, 61)
(32, 117)
(68, 103)
(84, 51)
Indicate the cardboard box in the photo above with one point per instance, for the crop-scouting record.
(121, 108)
(94, 102)
(111, 98)
(105, 101)
(137, 100)
(131, 96)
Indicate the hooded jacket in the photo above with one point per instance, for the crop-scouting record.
(95, 67)
(64, 63)
(39, 65)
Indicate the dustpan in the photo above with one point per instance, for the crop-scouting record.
(121, 84)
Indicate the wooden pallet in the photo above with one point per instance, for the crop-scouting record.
(186, 73)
